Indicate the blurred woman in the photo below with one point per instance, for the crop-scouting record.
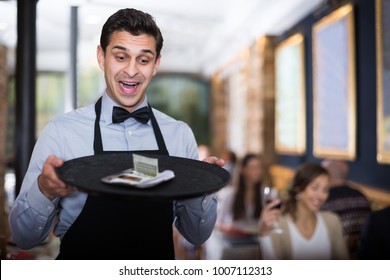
(239, 208)
(307, 232)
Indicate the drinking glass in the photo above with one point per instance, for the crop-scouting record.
(269, 194)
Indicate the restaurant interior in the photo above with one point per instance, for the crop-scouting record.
(293, 80)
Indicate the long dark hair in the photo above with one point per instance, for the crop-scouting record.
(238, 207)
(304, 175)
(133, 21)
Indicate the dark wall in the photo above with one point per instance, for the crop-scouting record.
(365, 169)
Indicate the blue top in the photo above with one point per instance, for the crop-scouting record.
(33, 216)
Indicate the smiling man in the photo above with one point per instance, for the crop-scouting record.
(97, 227)
(129, 63)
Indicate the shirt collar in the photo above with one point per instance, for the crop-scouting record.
(108, 104)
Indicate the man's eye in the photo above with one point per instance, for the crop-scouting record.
(144, 61)
(120, 58)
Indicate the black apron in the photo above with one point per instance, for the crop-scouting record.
(123, 228)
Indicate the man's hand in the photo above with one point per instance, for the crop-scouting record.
(214, 160)
(49, 183)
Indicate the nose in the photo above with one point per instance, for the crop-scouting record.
(131, 68)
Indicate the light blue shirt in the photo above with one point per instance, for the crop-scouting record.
(33, 216)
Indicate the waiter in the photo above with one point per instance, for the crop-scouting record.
(99, 227)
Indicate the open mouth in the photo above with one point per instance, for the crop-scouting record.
(128, 86)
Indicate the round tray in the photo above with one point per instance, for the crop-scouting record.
(192, 177)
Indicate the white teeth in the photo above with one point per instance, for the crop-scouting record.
(129, 84)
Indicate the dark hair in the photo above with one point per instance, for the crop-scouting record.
(304, 175)
(238, 207)
(133, 21)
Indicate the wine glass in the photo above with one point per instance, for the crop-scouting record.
(269, 194)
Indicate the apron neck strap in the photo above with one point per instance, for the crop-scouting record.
(97, 142)
(157, 132)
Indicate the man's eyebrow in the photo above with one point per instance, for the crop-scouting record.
(122, 48)
(119, 47)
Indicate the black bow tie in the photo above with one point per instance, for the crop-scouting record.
(120, 115)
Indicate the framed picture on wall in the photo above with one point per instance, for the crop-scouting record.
(334, 85)
(383, 80)
(290, 105)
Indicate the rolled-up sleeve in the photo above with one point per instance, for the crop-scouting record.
(33, 215)
(32, 219)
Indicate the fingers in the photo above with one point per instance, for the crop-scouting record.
(273, 204)
(49, 183)
(269, 217)
(50, 165)
(214, 160)
(54, 161)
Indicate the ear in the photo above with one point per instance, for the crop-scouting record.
(100, 57)
(156, 65)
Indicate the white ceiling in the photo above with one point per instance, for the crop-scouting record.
(200, 36)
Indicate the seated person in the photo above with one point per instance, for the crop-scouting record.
(349, 203)
(239, 208)
(306, 232)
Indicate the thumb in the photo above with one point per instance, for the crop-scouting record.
(55, 161)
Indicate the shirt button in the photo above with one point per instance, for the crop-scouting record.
(129, 132)
(202, 221)
(40, 228)
(49, 207)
